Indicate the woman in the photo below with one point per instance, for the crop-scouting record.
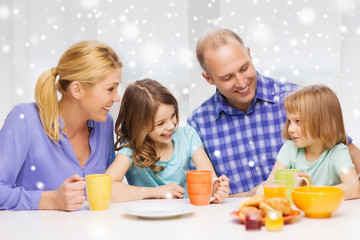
(47, 147)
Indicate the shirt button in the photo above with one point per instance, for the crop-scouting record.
(251, 142)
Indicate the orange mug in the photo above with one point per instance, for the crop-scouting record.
(199, 186)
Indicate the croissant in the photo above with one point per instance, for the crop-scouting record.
(280, 204)
(265, 208)
(252, 201)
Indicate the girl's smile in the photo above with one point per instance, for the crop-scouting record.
(164, 125)
(166, 136)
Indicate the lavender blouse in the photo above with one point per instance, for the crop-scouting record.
(30, 163)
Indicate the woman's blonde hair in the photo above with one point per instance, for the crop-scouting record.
(87, 62)
(320, 114)
(139, 105)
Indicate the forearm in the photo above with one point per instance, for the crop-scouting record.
(355, 156)
(47, 201)
(122, 192)
(352, 191)
(241, 195)
(249, 193)
(18, 198)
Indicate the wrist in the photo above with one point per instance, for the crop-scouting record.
(148, 192)
(47, 200)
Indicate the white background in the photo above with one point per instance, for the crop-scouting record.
(302, 41)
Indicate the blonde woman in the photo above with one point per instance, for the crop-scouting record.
(47, 147)
(316, 139)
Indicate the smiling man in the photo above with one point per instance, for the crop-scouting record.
(241, 124)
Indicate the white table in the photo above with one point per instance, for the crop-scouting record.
(205, 222)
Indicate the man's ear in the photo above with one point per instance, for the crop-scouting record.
(76, 89)
(248, 50)
(207, 78)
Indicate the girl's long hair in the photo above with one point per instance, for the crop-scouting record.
(87, 62)
(320, 114)
(139, 105)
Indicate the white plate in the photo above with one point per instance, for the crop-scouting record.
(158, 209)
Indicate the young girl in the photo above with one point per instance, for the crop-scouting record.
(316, 139)
(154, 153)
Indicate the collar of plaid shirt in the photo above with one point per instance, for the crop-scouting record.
(264, 92)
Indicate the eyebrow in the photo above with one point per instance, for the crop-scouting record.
(226, 75)
(242, 66)
(113, 83)
(161, 120)
(293, 117)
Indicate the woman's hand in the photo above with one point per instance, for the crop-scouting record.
(171, 190)
(68, 197)
(221, 189)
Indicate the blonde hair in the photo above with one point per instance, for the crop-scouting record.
(139, 105)
(87, 62)
(320, 114)
(213, 41)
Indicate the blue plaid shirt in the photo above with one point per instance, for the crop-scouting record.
(243, 145)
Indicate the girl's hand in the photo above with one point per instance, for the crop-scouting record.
(221, 190)
(70, 195)
(303, 182)
(171, 190)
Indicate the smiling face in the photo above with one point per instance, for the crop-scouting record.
(164, 125)
(233, 73)
(96, 101)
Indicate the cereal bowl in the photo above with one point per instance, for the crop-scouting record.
(317, 201)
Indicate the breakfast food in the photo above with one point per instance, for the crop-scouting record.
(265, 205)
(246, 209)
(253, 219)
(265, 208)
(252, 201)
(280, 204)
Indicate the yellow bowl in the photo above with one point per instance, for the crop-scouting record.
(317, 201)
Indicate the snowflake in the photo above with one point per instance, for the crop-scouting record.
(89, 3)
(4, 12)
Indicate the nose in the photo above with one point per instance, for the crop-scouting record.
(170, 125)
(291, 128)
(116, 98)
(240, 81)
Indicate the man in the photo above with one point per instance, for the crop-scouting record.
(241, 124)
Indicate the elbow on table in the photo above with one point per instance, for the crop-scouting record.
(353, 192)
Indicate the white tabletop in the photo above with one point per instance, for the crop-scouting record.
(205, 222)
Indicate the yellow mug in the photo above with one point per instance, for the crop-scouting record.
(98, 191)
